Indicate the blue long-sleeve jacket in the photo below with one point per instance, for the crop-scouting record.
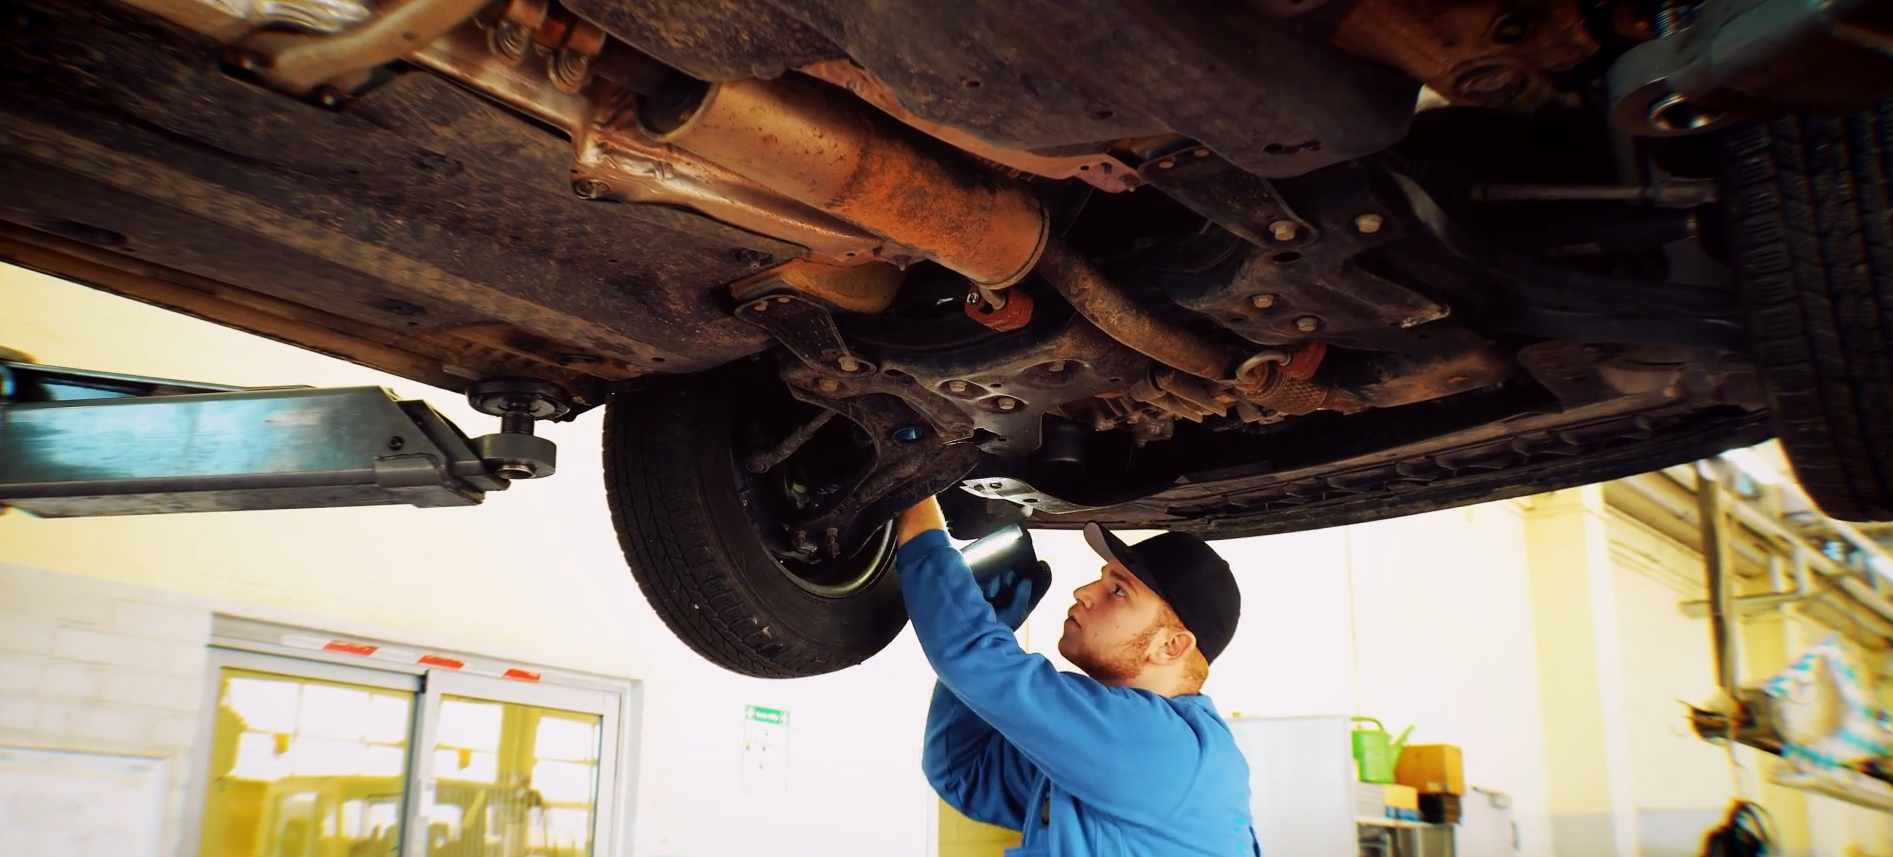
(1083, 769)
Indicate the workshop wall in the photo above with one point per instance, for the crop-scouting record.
(533, 575)
(1540, 635)
(104, 668)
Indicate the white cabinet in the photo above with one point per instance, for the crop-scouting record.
(1301, 782)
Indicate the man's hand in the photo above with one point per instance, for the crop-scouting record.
(1014, 592)
(924, 516)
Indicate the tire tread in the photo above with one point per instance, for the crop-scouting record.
(664, 527)
(1808, 206)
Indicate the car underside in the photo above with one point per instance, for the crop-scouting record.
(1233, 268)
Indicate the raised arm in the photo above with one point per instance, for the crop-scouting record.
(1125, 751)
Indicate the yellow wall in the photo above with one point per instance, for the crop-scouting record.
(963, 837)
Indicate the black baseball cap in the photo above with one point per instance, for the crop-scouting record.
(1187, 574)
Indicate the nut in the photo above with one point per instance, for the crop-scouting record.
(1262, 301)
(827, 385)
(1307, 324)
(1006, 403)
(848, 364)
(958, 386)
(1369, 223)
(1285, 230)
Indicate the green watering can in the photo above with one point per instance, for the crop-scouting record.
(1374, 754)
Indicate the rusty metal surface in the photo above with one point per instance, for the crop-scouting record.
(1493, 53)
(227, 19)
(1047, 76)
(616, 160)
(1273, 389)
(812, 143)
(1105, 305)
(1239, 201)
(1278, 287)
(1002, 311)
(442, 359)
(862, 288)
(1392, 380)
(550, 80)
(1101, 171)
(420, 208)
(1065, 362)
(301, 62)
(630, 166)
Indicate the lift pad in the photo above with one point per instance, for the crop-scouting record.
(76, 443)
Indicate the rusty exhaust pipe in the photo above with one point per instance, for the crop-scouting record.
(1262, 379)
(815, 144)
(1101, 303)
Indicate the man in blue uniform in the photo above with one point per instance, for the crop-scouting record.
(1129, 758)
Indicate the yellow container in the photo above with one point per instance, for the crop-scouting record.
(1431, 768)
(1402, 797)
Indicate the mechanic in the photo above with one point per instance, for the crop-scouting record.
(1129, 758)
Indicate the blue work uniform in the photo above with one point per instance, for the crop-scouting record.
(1083, 769)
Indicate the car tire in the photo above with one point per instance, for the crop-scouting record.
(679, 506)
(1808, 208)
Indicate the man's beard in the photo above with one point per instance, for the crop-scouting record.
(1118, 666)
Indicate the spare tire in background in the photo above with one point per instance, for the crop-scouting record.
(677, 501)
(1808, 201)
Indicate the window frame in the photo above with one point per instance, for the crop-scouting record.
(252, 645)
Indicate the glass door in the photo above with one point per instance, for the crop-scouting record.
(312, 758)
(307, 760)
(511, 769)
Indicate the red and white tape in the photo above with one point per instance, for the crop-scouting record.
(375, 652)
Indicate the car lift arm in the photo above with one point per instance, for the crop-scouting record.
(76, 443)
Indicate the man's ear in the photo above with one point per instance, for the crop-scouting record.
(1173, 646)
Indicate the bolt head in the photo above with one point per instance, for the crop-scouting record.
(510, 40)
(1307, 324)
(1285, 230)
(1006, 403)
(590, 188)
(848, 364)
(1262, 301)
(827, 385)
(957, 386)
(1369, 223)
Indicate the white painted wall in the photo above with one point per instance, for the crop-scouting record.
(1443, 612)
(104, 668)
(535, 575)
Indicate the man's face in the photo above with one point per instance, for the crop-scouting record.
(1109, 631)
